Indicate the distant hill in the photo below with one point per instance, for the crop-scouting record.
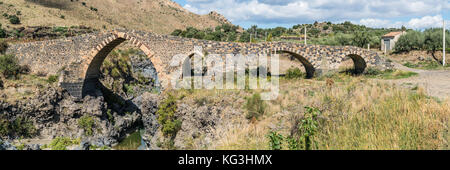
(160, 16)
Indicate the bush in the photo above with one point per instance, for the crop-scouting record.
(9, 66)
(294, 73)
(166, 117)
(19, 127)
(13, 19)
(373, 71)
(275, 140)
(308, 127)
(61, 143)
(2, 33)
(3, 47)
(87, 123)
(255, 107)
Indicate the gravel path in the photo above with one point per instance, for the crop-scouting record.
(435, 82)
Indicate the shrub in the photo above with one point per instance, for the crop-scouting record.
(87, 123)
(255, 107)
(373, 71)
(9, 66)
(2, 33)
(308, 127)
(294, 73)
(275, 140)
(13, 19)
(166, 117)
(19, 127)
(61, 143)
(3, 47)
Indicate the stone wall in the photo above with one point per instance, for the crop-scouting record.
(78, 59)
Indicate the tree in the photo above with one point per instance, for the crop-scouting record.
(413, 40)
(361, 39)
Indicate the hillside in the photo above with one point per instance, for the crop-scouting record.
(160, 16)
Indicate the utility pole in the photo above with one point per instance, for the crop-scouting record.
(266, 37)
(305, 35)
(443, 47)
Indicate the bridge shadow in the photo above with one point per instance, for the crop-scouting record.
(113, 100)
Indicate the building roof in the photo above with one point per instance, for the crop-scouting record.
(392, 34)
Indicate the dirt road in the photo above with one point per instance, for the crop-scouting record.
(435, 82)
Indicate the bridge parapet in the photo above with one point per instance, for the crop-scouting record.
(78, 59)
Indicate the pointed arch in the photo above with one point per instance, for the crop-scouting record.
(93, 61)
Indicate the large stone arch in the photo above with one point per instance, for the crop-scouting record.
(92, 62)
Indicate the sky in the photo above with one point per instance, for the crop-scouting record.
(414, 14)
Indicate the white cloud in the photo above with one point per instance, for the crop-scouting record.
(414, 23)
(376, 12)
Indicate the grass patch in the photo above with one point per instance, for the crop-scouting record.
(390, 74)
(61, 143)
(427, 65)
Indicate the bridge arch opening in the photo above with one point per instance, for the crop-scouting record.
(309, 68)
(353, 64)
(192, 67)
(93, 72)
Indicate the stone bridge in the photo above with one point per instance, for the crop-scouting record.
(78, 59)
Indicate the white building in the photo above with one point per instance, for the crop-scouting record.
(388, 41)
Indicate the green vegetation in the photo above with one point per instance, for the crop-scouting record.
(9, 66)
(308, 127)
(131, 142)
(318, 33)
(427, 65)
(170, 125)
(390, 74)
(294, 73)
(13, 19)
(429, 40)
(220, 33)
(255, 107)
(87, 123)
(20, 126)
(275, 140)
(303, 138)
(61, 143)
(52, 79)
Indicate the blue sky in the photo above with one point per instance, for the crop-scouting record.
(415, 14)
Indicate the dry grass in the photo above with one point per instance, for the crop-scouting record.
(357, 113)
(160, 16)
(23, 88)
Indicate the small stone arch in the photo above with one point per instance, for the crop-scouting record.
(310, 70)
(358, 62)
(187, 64)
(92, 62)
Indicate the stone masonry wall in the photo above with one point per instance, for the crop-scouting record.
(78, 58)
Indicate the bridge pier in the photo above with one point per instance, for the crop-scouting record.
(74, 89)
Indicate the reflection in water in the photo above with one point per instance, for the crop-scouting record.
(132, 142)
